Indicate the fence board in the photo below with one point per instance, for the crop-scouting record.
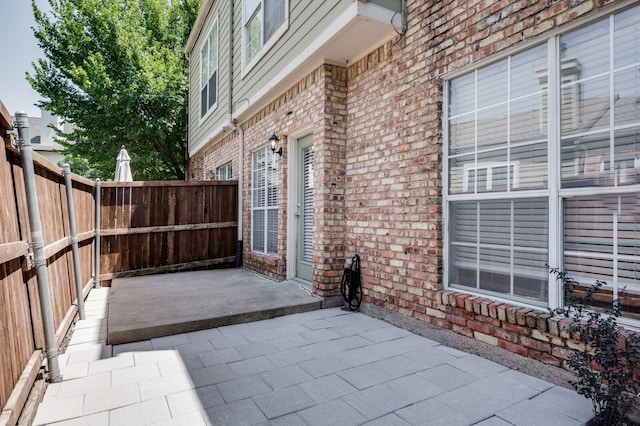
(187, 221)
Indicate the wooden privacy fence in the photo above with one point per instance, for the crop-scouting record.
(21, 324)
(155, 227)
(146, 227)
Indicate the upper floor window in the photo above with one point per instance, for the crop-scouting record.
(543, 168)
(209, 72)
(262, 20)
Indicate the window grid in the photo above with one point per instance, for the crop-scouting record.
(565, 178)
(262, 21)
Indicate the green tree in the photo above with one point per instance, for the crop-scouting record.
(116, 69)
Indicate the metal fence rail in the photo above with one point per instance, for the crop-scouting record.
(145, 227)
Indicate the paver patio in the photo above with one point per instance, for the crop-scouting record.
(323, 367)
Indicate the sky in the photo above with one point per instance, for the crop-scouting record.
(19, 50)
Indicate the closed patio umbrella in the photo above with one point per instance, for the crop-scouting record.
(123, 168)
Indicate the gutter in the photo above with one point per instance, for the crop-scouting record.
(235, 128)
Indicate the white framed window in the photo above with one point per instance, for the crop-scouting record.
(542, 152)
(264, 202)
(209, 72)
(225, 172)
(264, 21)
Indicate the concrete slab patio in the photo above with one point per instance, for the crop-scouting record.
(153, 306)
(321, 367)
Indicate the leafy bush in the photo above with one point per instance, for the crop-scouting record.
(608, 366)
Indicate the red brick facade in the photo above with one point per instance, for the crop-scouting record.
(377, 129)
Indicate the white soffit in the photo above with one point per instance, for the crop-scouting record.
(356, 32)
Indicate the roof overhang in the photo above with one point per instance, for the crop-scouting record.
(360, 29)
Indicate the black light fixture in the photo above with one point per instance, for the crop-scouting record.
(274, 140)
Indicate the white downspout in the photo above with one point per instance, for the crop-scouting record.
(239, 248)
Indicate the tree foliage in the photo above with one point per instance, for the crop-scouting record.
(116, 70)
(608, 366)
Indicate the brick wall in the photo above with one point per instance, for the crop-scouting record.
(318, 99)
(378, 138)
(394, 166)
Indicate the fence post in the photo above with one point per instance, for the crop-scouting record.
(74, 238)
(96, 281)
(37, 243)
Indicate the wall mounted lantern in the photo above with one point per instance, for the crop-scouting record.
(275, 144)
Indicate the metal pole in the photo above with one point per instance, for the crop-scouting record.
(96, 281)
(40, 262)
(74, 238)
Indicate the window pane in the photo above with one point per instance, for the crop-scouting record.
(629, 225)
(527, 121)
(258, 197)
(462, 92)
(582, 161)
(531, 172)
(629, 274)
(213, 86)
(203, 101)
(462, 134)
(274, 11)
(529, 72)
(588, 269)
(460, 178)
(491, 173)
(254, 39)
(589, 224)
(204, 63)
(272, 181)
(627, 156)
(611, 227)
(495, 270)
(531, 223)
(627, 42)
(492, 127)
(250, 7)
(531, 276)
(272, 227)
(495, 222)
(587, 45)
(258, 230)
(627, 96)
(588, 111)
(464, 222)
(213, 51)
(259, 160)
(463, 266)
(492, 84)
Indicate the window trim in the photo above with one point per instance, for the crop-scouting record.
(214, 106)
(247, 66)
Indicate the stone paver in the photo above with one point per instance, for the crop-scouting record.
(321, 367)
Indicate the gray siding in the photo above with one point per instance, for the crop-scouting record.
(198, 130)
(307, 20)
